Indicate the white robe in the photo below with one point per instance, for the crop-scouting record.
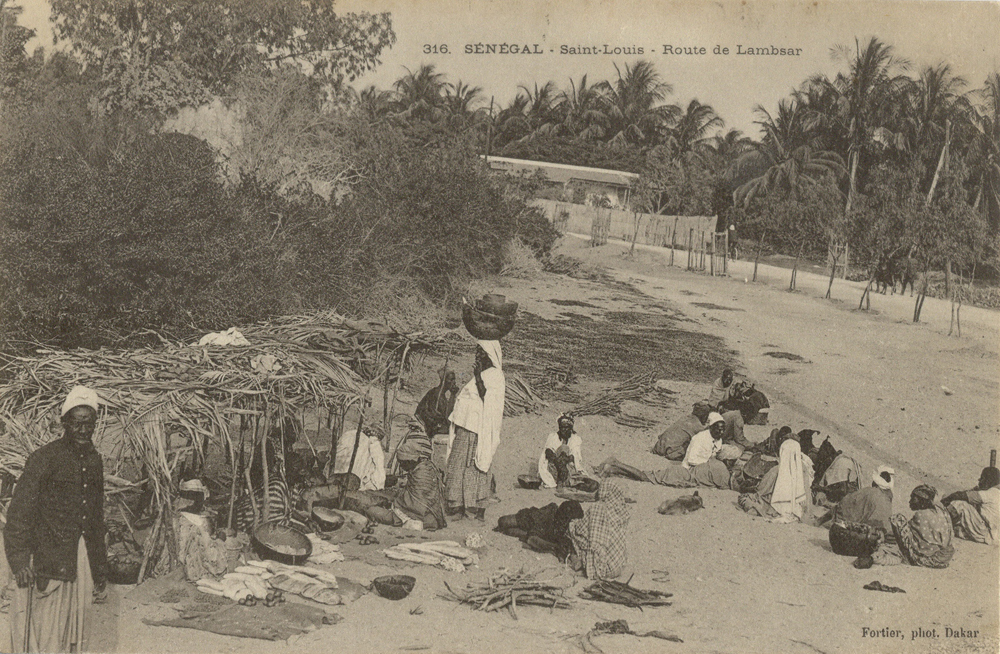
(483, 416)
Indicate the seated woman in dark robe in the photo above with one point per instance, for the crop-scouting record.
(544, 529)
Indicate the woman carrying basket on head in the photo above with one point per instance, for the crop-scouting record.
(475, 433)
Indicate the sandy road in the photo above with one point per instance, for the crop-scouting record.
(872, 382)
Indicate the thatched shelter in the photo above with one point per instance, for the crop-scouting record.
(218, 394)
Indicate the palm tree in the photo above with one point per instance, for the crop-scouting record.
(634, 111)
(784, 160)
(459, 100)
(583, 111)
(869, 103)
(984, 151)
(540, 109)
(420, 93)
(511, 124)
(692, 127)
(373, 102)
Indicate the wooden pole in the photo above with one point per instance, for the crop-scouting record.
(690, 245)
(993, 458)
(354, 453)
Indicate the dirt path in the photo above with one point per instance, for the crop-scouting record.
(740, 584)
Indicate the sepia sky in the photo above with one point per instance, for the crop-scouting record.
(964, 34)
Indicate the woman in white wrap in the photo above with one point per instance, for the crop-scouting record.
(783, 494)
(475, 433)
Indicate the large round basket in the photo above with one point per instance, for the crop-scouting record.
(281, 543)
(486, 326)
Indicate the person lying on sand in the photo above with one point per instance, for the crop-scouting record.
(924, 540)
(544, 529)
(975, 513)
(711, 474)
(562, 455)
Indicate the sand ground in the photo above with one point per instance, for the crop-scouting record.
(872, 381)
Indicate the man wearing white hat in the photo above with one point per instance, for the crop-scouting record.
(54, 539)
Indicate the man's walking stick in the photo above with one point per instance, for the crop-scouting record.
(27, 615)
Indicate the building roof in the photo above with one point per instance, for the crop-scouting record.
(563, 173)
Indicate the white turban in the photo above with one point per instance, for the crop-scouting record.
(880, 480)
(714, 418)
(80, 396)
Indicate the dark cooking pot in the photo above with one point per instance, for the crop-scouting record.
(281, 543)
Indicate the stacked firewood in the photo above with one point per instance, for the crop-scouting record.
(508, 590)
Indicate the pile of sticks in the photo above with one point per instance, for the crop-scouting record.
(616, 592)
(520, 398)
(608, 404)
(507, 591)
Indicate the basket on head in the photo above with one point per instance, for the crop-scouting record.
(394, 587)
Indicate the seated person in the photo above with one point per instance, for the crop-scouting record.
(705, 444)
(562, 455)
(924, 540)
(673, 442)
(599, 537)
(544, 529)
(721, 389)
(437, 404)
(861, 521)
(712, 474)
(975, 513)
(783, 492)
(419, 498)
(369, 461)
(836, 475)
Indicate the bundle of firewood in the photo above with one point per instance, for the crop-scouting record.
(520, 398)
(508, 590)
(633, 388)
(616, 592)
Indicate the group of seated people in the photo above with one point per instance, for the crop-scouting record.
(786, 478)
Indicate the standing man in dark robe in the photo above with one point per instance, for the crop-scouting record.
(54, 539)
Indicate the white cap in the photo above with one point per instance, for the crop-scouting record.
(80, 396)
(714, 418)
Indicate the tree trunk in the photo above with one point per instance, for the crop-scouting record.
(866, 302)
(941, 163)
(635, 233)
(833, 272)
(851, 189)
(760, 247)
(795, 265)
(919, 304)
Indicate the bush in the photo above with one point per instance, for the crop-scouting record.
(138, 236)
(107, 232)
